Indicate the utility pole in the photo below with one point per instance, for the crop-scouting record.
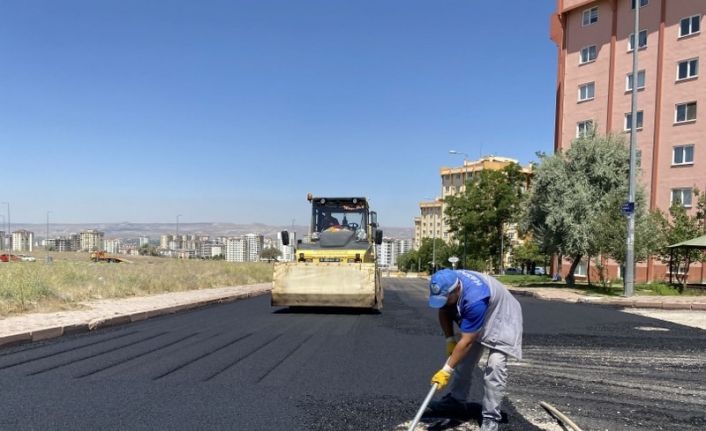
(629, 283)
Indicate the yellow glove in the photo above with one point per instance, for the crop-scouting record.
(450, 345)
(442, 377)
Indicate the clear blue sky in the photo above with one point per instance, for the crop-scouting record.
(231, 111)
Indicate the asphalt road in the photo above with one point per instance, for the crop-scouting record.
(246, 366)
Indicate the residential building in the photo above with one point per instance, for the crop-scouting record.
(91, 240)
(432, 223)
(237, 249)
(22, 240)
(144, 240)
(403, 246)
(112, 245)
(593, 92)
(2, 240)
(255, 246)
(287, 250)
(165, 242)
(387, 253)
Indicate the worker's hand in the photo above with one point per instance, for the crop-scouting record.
(450, 345)
(442, 377)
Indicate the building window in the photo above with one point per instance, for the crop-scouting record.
(682, 197)
(685, 112)
(640, 81)
(690, 25)
(588, 54)
(590, 16)
(683, 155)
(643, 3)
(580, 270)
(628, 120)
(642, 40)
(584, 128)
(688, 69)
(587, 91)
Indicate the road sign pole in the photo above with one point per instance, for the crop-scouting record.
(629, 283)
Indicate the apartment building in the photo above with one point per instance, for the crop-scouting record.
(112, 245)
(595, 45)
(22, 240)
(237, 249)
(255, 246)
(287, 250)
(432, 221)
(91, 240)
(165, 241)
(144, 240)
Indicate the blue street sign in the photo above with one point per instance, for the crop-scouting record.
(628, 208)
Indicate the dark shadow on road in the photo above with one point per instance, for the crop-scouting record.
(473, 412)
(328, 310)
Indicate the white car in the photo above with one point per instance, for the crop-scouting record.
(27, 258)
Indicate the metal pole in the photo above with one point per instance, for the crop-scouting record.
(433, 246)
(423, 407)
(630, 253)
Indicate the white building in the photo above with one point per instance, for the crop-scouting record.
(91, 240)
(404, 245)
(255, 246)
(387, 253)
(22, 240)
(287, 250)
(113, 245)
(144, 240)
(236, 249)
(164, 241)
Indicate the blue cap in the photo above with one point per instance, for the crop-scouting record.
(441, 284)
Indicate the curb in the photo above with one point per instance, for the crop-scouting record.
(120, 319)
(615, 302)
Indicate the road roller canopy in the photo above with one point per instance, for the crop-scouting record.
(339, 214)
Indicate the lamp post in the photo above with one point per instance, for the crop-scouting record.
(465, 240)
(433, 239)
(629, 282)
(9, 228)
(46, 240)
(176, 239)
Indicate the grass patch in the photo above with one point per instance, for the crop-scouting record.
(63, 284)
(528, 280)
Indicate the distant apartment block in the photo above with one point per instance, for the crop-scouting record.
(404, 245)
(2, 240)
(255, 246)
(165, 241)
(432, 222)
(387, 253)
(22, 240)
(237, 249)
(91, 240)
(112, 245)
(287, 250)
(595, 43)
(144, 240)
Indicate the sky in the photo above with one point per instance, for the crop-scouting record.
(233, 110)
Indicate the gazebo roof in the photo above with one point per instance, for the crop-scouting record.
(699, 243)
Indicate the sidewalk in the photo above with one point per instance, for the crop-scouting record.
(108, 312)
(578, 296)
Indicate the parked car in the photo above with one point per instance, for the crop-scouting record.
(538, 270)
(25, 258)
(512, 271)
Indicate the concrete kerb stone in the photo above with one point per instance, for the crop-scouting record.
(11, 340)
(698, 306)
(44, 334)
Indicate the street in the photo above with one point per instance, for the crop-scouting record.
(245, 365)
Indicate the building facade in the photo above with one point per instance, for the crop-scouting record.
(255, 246)
(595, 45)
(22, 240)
(236, 249)
(112, 245)
(91, 240)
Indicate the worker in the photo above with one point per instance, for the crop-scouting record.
(328, 221)
(488, 316)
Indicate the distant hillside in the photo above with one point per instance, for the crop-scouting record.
(154, 230)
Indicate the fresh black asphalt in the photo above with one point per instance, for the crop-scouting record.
(247, 366)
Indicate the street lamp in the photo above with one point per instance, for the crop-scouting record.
(465, 156)
(629, 281)
(433, 240)
(9, 228)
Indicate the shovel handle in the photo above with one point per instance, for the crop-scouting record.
(423, 407)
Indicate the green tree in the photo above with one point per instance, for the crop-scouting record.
(528, 255)
(571, 189)
(270, 254)
(478, 216)
(407, 261)
(431, 248)
(148, 250)
(682, 226)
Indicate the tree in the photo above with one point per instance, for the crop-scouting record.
(148, 250)
(528, 254)
(428, 250)
(407, 261)
(270, 254)
(683, 227)
(571, 189)
(478, 216)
